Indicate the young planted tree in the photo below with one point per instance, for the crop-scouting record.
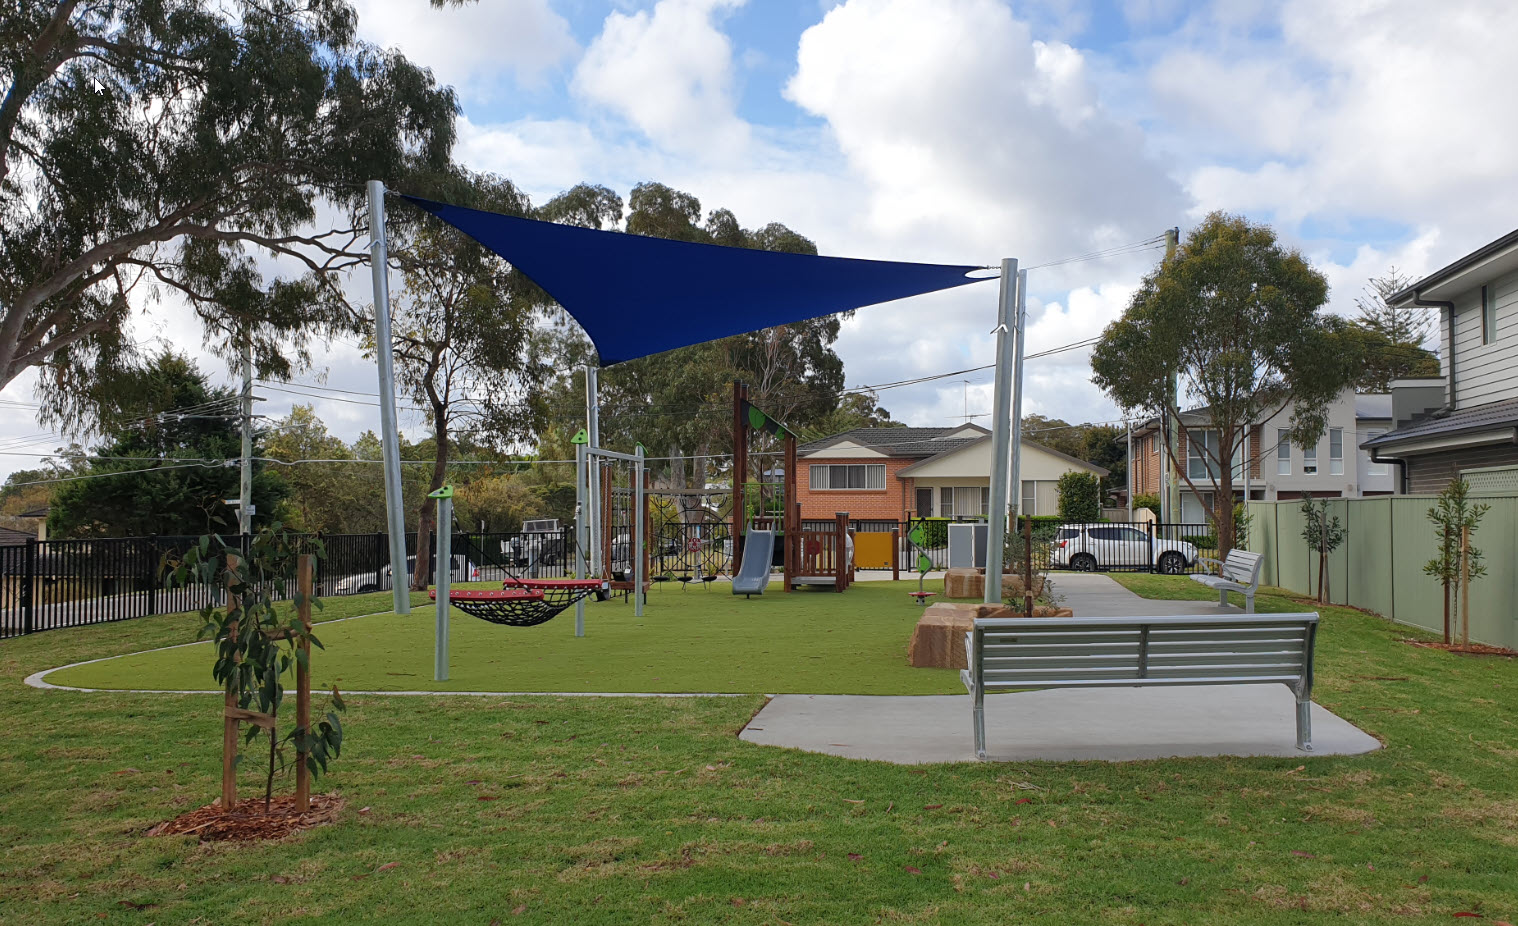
(1455, 517)
(463, 338)
(1323, 534)
(258, 643)
(1236, 320)
(163, 146)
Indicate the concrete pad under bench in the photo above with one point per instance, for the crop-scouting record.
(1069, 724)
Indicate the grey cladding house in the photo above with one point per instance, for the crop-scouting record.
(1464, 424)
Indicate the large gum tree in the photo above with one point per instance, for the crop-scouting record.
(180, 148)
(1236, 318)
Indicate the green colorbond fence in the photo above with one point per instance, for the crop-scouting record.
(1379, 566)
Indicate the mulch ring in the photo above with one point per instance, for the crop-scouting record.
(1470, 649)
(248, 821)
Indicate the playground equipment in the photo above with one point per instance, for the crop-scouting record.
(754, 572)
(593, 509)
(825, 558)
(748, 420)
(916, 537)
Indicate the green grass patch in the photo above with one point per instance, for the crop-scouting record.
(809, 641)
(611, 811)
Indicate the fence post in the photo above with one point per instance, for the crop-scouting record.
(840, 550)
(1149, 528)
(152, 574)
(29, 587)
(896, 553)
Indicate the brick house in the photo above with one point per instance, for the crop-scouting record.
(895, 473)
(1334, 467)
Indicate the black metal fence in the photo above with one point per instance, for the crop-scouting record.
(50, 584)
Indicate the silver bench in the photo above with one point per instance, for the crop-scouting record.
(1021, 653)
(1239, 572)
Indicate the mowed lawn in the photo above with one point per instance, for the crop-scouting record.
(469, 810)
(698, 640)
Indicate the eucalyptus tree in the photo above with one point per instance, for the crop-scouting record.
(154, 148)
(464, 336)
(1236, 318)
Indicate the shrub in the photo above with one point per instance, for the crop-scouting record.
(1080, 497)
(1147, 500)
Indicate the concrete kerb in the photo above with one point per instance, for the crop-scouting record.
(39, 680)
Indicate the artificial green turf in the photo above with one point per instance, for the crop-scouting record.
(612, 811)
(809, 641)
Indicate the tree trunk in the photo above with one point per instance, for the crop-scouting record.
(1222, 502)
(1449, 636)
(427, 516)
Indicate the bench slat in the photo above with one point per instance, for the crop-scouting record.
(1083, 682)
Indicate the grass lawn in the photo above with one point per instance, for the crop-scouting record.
(549, 810)
(815, 642)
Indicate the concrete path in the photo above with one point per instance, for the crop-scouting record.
(1091, 594)
(1060, 725)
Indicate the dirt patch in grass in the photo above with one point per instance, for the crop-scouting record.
(248, 821)
(1469, 649)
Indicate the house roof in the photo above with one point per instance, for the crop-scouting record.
(1500, 255)
(1368, 405)
(962, 445)
(1489, 417)
(902, 443)
(10, 537)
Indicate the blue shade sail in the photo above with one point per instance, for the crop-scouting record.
(636, 295)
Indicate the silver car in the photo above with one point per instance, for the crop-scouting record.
(1089, 547)
(380, 581)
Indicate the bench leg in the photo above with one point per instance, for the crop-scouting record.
(980, 731)
(1249, 602)
(1304, 723)
(1222, 597)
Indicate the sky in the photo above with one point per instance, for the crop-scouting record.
(1369, 133)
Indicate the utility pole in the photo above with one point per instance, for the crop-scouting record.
(245, 482)
(1170, 486)
(1003, 423)
(395, 514)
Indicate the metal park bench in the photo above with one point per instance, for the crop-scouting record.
(1021, 653)
(1240, 572)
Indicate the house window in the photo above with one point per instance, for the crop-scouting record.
(1154, 443)
(1374, 468)
(865, 476)
(1202, 454)
(946, 502)
(1030, 498)
(1335, 451)
(1488, 315)
(924, 503)
(1283, 452)
(1310, 460)
(970, 501)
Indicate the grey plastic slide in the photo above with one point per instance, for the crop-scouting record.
(754, 572)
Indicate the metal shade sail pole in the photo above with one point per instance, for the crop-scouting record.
(1001, 432)
(390, 444)
(583, 462)
(1020, 332)
(444, 571)
(636, 541)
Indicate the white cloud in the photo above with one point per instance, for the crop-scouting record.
(472, 45)
(670, 73)
(1387, 109)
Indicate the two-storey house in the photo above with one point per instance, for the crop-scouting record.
(1278, 470)
(1465, 424)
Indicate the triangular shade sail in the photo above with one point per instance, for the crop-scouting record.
(636, 295)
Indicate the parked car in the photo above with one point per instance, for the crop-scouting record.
(1089, 547)
(540, 543)
(380, 581)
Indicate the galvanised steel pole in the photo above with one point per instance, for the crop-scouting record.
(390, 444)
(1001, 432)
(581, 536)
(444, 571)
(635, 542)
(1020, 333)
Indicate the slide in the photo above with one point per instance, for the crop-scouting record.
(754, 572)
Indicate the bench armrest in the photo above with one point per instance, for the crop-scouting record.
(1218, 565)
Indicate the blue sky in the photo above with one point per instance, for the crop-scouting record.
(1370, 133)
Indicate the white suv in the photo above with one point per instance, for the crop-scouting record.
(1089, 547)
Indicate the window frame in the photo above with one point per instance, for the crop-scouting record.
(1028, 503)
(1210, 469)
(1373, 468)
(1488, 316)
(1283, 451)
(866, 470)
(1310, 460)
(1335, 461)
